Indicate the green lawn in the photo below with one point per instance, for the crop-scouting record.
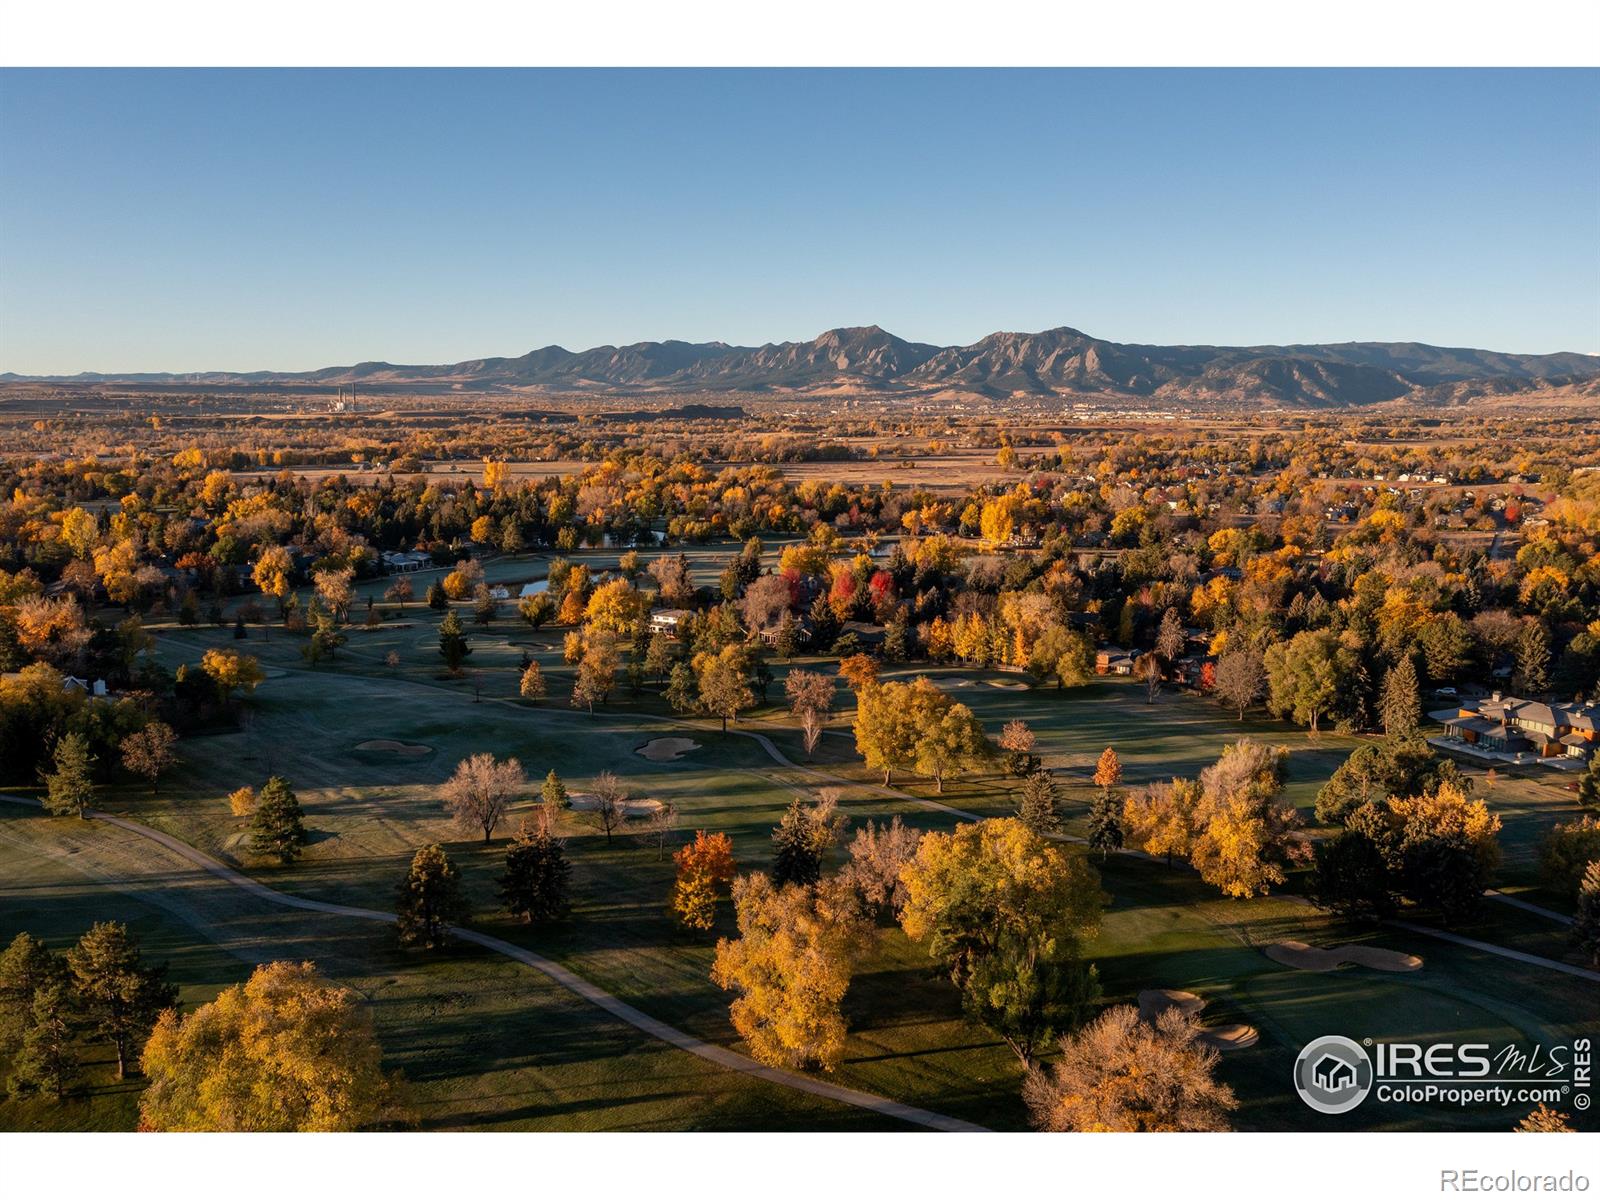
(483, 1041)
(550, 1062)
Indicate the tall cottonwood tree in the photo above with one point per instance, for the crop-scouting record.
(481, 789)
(1007, 913)
(791, 966)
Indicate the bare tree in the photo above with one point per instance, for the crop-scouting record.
(481, 790)
(1152, 678)
(658, 827)
(1241, 678)
(1170, 638)
(876, 857)
(811, 725)
(610, 803)
(149, 751)
(765, 602)
(671, 573)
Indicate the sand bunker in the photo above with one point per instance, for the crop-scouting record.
(398, 749)
(1009, 685)
(1155, 1001)
(666, 749)
(584, 802)
(1231, 1037)
(1312, 958)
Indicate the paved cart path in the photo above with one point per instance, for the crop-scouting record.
(559, 974)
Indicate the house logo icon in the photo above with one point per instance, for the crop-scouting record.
(1333, 1074)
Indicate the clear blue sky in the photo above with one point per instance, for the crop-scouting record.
(172, 220)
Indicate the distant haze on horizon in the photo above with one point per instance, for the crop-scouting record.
(293, 220)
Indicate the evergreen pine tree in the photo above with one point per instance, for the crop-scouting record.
(896, 638)
(25, 966)
(1589, 785)
(553, 794)
(683, 692)
(795, 856)
(429, 899)
(1586, 922)
(787, 643)
(120, 995)
(69, 789)
(452, 642)
(438, 599)
(1401, 705)
(1533, 660)
(1038, 808)
(1105, 822)
(45, 1063)
(277, 826)
(534, 886)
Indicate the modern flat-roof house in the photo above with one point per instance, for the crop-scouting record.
(1507, 725)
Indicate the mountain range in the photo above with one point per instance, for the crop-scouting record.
(1062, 363)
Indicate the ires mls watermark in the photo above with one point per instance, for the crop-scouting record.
(1335, 1074)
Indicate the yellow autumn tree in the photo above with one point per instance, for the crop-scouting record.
(1243, 827)
(1160, 819)
(79, 532)
(1007, 913)
(615, 607)
(791, 966)
(230, 670)
(272, 572)
(287, 1051)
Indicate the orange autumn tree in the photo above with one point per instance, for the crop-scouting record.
(858, 670)
(1108, 771)
(705, 869)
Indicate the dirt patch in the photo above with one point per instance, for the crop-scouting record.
(1155, 1001)
(397, 749)
(667, 749)
(1313, 958)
